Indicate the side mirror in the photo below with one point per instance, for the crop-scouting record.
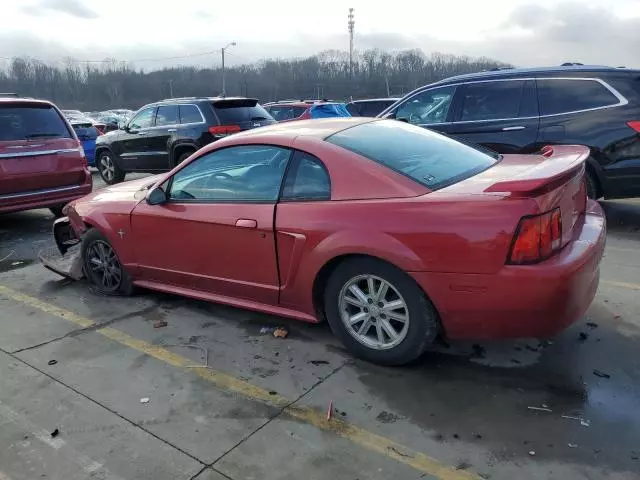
(122, 125)
(157, 196)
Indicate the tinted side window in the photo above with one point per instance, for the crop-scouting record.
(189, 114)
(307, 179)
(23, 122)
(371, 109)
(167, 115)
(354, 109)
(495, 100)
(247, 173)
(562, 96)
(144, 119)
(430, 106)
(241, 110)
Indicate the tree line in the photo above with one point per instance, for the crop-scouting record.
(114, 84)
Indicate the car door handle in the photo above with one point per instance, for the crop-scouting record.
(172, 130)
(246, 223)
(513, 129)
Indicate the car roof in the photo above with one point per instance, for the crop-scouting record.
(196, 99)
(319, 128)
(289, 104)
(518, 72)
(25, 100)
(382, 99)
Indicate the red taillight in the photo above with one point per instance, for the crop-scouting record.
(85, 162)
(537, 238)
(224, 129)
(635, 124)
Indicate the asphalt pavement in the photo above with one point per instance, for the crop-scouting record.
(160, 387)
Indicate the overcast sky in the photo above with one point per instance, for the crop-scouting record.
(523, 32)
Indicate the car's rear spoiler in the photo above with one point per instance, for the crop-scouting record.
(562, 162)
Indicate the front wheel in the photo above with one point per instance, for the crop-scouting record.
(101, 265)
(108, 169)
(379, 312)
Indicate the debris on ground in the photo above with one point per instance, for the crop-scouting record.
(601, 374)
(144, 400)
(55, 433)
(530, 348)
(463, 466)
(583, 422)
(280, 332)
(583, 336)
(318, 362)
(19, 262)
(265, 330)
(160, 324)
(592, 325)
(6, 257)
(617, 316)
(330, 410)
(532, 453)
(540, 409)
(52, 362)
(572, 445)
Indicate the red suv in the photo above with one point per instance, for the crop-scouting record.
(42, 162)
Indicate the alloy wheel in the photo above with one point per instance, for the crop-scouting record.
(105, 268)
(107, 169)
(374, 312)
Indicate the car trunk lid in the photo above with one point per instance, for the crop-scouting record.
(37, 149)
(552, 179)
(239, 114)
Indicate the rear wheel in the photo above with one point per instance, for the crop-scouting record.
(593, 191)
(379, 312)
(102, 267)
(108, 168)
(184, 156)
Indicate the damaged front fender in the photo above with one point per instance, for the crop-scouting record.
(69, 263)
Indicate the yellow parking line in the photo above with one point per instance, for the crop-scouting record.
(357, 435)
(632, 286)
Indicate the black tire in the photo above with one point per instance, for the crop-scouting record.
(108, 168)
(422, 317)
(57, 211)
(92, 243)
(593, 192)
(184, 156)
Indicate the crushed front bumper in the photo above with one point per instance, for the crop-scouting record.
(69, 263)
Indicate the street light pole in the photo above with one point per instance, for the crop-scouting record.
(224, 84)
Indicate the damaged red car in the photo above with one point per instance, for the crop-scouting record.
(392, 233)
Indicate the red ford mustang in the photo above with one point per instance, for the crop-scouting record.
(391, 232)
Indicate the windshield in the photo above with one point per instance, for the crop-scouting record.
(31, 121)
(429, 158)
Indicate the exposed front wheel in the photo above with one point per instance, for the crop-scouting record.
(101, 265)
(379, 312)
(108, 168)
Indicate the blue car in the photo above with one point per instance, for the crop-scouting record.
(87, 134)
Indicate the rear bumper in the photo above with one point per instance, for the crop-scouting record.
(533, 301)
(16, 202)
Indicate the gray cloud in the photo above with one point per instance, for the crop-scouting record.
(75, 8)
(569, 32)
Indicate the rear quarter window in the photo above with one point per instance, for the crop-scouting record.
(23, 122)
(431, 159)
(572, 95)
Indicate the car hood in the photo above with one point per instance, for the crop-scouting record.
(120, 198)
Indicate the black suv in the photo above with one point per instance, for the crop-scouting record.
(161, 135)
(521, 110)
